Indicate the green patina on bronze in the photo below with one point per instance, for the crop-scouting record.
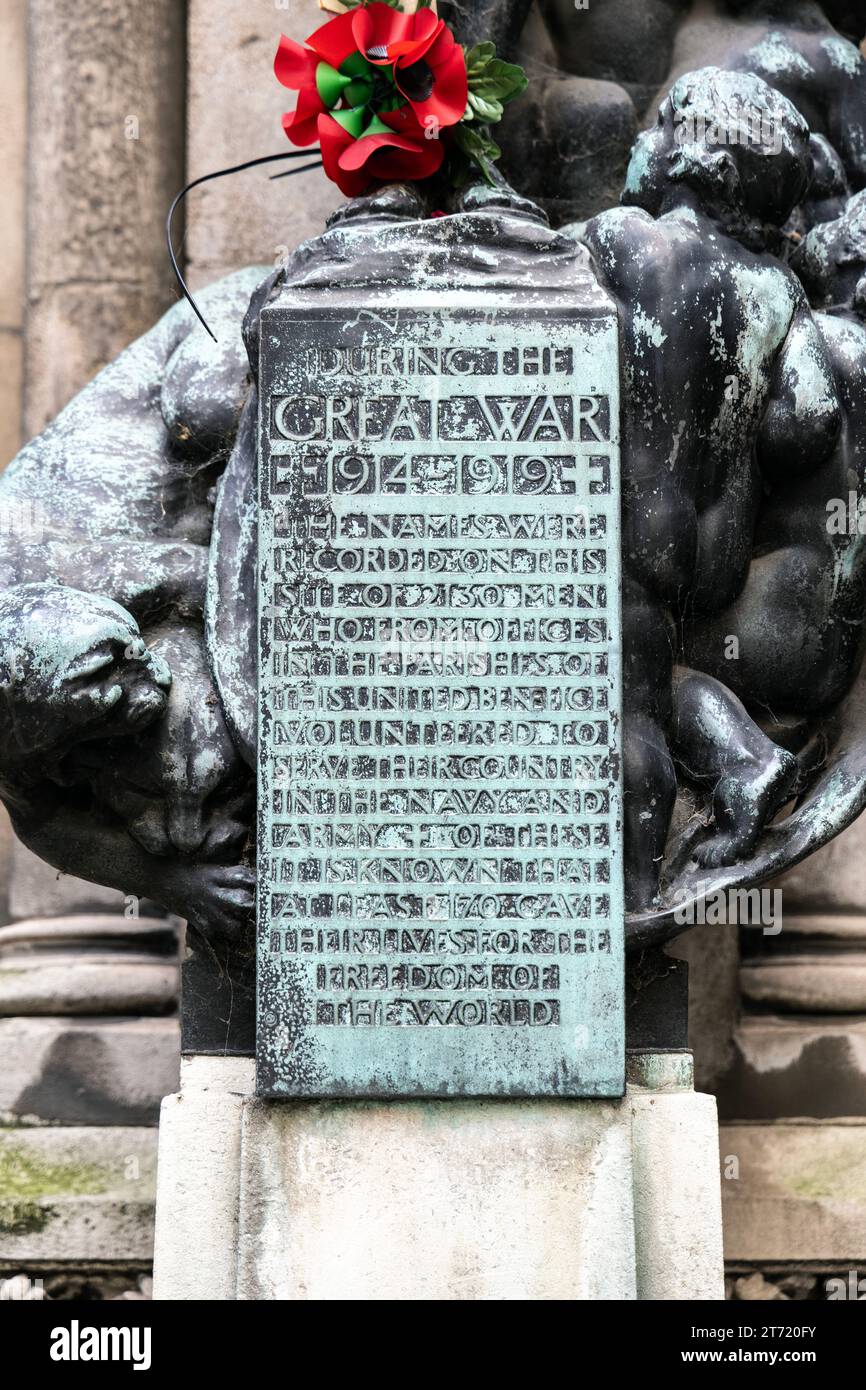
(440, 857)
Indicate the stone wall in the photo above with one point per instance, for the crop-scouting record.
(245, 219)
(105, 156)
(13, 143)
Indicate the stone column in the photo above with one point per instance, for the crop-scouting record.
(794, 1098)
(106, 156)
(801, 1039)
(105, 133)
(88, 991)
(13, 144)
(88, 980)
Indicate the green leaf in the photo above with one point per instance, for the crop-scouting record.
(459, 168)
(479, 55)
(484, 109)
(479, 147)
(498, 81)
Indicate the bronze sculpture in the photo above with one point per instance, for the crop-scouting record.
(152, 790)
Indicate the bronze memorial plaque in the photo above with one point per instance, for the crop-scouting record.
(440, 820)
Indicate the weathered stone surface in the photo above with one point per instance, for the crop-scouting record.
(105, 157)
(452, 1200)
(785, 1065)
(12, 378)
(812, 982)
(37, 889)
(87, 1071)
(199, 1180)
(436, 1200)
(246, 218)
(800, 1193)
(677, 1204)
(831, 881)
(75, 1196)
(88, 964)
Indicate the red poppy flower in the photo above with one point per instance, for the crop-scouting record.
(375, 86)
(301, 125)
(391, 147)
(332, 43)
(307, 70)
(427, 62)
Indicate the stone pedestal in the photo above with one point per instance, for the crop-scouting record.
(457, 1200)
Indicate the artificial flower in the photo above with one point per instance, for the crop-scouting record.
(387, 95)
(426, 62)
(389, 148)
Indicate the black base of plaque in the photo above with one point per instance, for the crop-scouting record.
(218, 998)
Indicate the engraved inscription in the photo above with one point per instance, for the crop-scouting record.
(440, 821)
